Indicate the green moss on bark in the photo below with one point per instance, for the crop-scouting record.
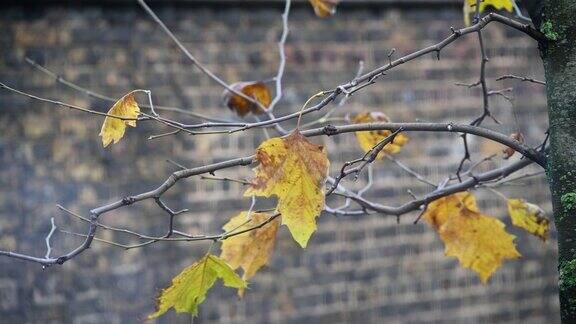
(548, 30)
(567, 284)
(568, 200)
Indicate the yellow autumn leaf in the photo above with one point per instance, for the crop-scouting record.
(294, 170)
(189, 288)
(324, 8)
(507, 5)
(467, 11)
(113, 128)
(250, 250)
(478, 241)
(470, 7)
(369, 139)
(441, 209)
(529, 217)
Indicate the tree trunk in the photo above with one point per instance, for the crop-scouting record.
(557, 20)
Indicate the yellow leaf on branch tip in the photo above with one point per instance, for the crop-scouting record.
(478, 241)
(529, 217)
(294, 170)
(250, 250)
(467, 11)
(324, 8)
(507, 5)
(113, 129)
(369, 139)
(470, 7)
(189, 288)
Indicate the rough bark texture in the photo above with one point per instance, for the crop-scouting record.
(557, 20)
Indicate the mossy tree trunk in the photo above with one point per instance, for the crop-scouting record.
(557, 20)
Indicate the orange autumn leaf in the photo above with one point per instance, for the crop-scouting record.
(250, 250)
(113, 129)
(478, 241)
(294, 170)
(255, 90)
(369, 139)
(324, 8)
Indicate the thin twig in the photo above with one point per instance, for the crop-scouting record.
(193, 59)
(62, 104)
(413, 173)
(48, 237)
(521, 78)
(97, 95)
(282, 54)
(368, 158)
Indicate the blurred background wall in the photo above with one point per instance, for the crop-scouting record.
(368, 268)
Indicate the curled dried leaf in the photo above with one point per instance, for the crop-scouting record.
(255, 90)
(529, 217)
(113, 129)
(508, 151)
(324, 8)
(369, 139)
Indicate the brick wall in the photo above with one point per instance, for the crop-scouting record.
(368, 268)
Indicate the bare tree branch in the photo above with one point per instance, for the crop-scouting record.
(368, 158)
(358, 83)
(100, 96)
(521, 78)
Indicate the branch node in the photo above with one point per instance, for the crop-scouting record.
(128, 200)
(330, 130)
(61, 260)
